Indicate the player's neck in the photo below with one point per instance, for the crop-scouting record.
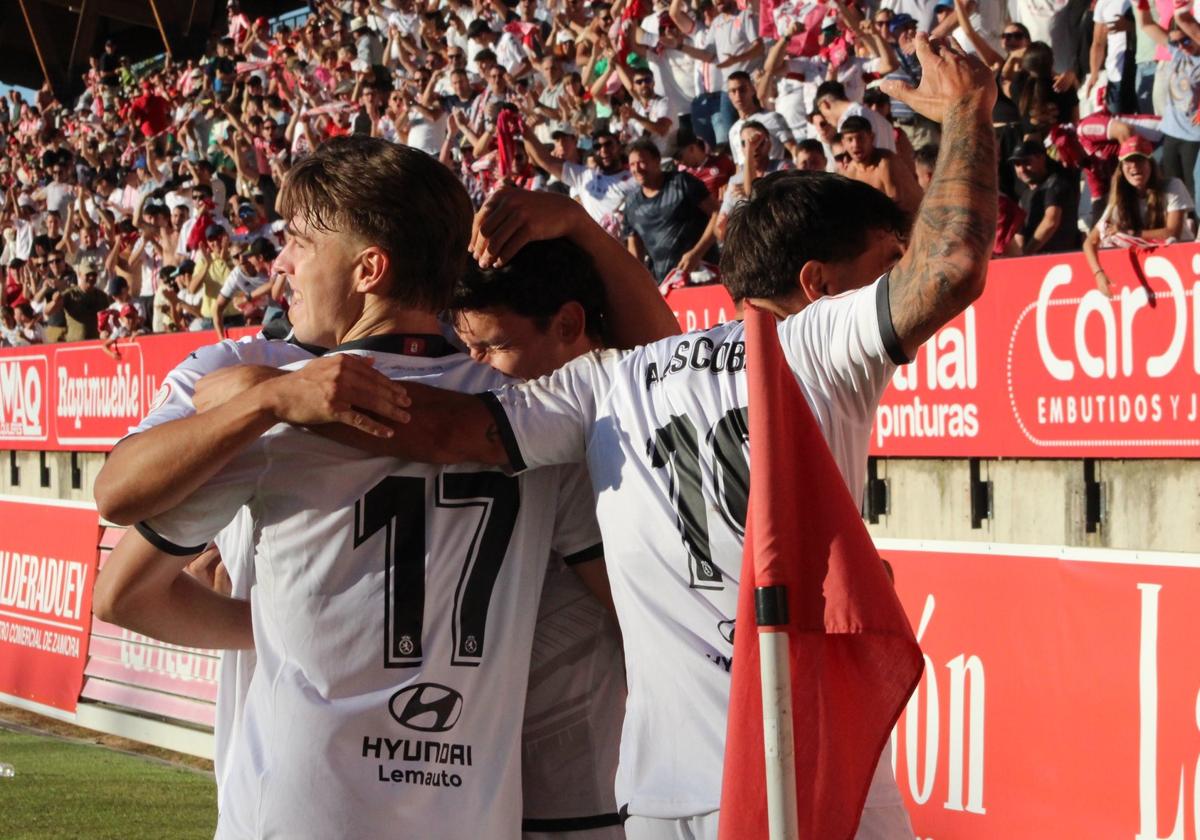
(383, 317)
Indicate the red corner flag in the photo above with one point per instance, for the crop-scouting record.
(853, 658)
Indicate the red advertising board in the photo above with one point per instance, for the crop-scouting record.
(48, 554)
(82, 396)
(1059, 696)
(1045, 366)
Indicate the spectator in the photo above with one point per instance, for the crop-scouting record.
(601, 189)
(694, 157)
(756, 142)
(1051, 204)
(1181, 133)
(648, 114)
(745, 101)
(881, 169)
(82, 304)
(1109, 43)
(1141, 204)
(836, 109)
(925, 159)
(670, 216)
(809, 156)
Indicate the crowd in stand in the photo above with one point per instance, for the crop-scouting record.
(148, 203)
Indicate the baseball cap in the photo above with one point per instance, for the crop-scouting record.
(246, 211)
(562, 131)
(1135, 147)
(357, 24)
(213, 231)
(1027, 149)
(89, 265)
(901, 21)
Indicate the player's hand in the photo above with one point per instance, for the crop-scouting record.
(948, 76)
(513, 217)
(341, 388)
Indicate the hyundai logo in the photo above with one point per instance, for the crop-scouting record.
(426, 707)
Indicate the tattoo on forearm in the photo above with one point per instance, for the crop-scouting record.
(955, 229)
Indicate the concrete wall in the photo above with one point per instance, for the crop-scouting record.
(63, 477)
(1146, 505)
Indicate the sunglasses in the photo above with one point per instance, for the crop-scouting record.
(1013, 36)
(649, 80)
(1183, 42)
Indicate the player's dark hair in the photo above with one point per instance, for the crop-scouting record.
(794, 217)
(392, 196)
(739, 76)
(535, 284)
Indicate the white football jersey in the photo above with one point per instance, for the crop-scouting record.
(393, 611)
(174, 401)
(574, 707)
(663, 429)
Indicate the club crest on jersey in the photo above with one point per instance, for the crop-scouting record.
(406, 645)
(426, 707)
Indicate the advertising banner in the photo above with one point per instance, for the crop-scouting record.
(1059, 696)
(1045, 366)
(48, 561)
(83, 396)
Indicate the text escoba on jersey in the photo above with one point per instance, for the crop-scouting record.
(701, 353)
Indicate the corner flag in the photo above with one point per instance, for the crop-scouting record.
(815, 599)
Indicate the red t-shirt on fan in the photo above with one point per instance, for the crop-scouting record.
(714, 173)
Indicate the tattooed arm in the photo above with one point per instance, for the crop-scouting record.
(945, 266)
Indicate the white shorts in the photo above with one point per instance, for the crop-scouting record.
(703, 827)
(889, 822)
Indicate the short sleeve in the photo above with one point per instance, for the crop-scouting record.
(846, 347)
(574, 174)
(694, 189)
(576, 531)
(549, 420)
(229, 288)
(1177, 196)
(1059, 194)
(186, 529)
(749, 26)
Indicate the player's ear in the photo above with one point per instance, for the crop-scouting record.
(570, 322)
(373, 271)
(812, 280)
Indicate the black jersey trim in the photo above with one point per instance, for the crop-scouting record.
(163, 544)
(592, 552)
(429, 345)
(572, 823)
(509, 440)
(887, 329)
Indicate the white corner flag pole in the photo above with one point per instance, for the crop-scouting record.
(770, 608)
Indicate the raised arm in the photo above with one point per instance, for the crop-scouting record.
(945, 266)
(636, 312)
(542, 157)
(985, 51)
